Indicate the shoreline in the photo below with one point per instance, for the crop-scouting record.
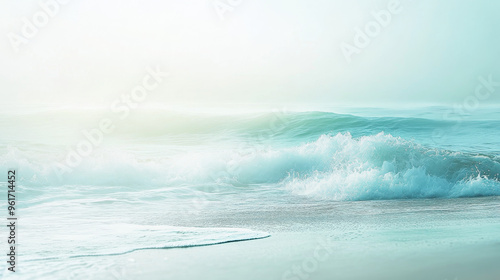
(449, 239)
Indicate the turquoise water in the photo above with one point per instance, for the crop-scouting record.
(167, 179)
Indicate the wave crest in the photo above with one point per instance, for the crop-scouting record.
(387, 167)
(338, 167)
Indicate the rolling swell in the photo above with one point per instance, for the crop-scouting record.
(339, 167)
(317, 154)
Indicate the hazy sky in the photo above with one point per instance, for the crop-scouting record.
(282, 51)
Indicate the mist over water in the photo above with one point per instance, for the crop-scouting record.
(138, 125)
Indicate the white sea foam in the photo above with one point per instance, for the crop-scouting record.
(339, 167)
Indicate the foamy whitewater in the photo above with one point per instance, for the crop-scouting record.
(158, 178)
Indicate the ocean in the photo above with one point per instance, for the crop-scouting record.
(96, 190)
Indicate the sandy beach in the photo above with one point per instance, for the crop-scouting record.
(403, 239)
(431, 239)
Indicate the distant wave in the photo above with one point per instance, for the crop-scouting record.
(289, 125)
